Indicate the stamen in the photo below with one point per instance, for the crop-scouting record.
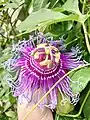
(51, 57)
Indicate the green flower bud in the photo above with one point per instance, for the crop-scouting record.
(64, 106)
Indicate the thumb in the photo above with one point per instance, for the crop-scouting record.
(38, 114)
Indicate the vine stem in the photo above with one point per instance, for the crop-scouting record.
(84, 2)
(86, 37)
(34, 106)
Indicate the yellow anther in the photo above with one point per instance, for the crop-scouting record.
(36, 55)
(47, 51)
(53, 48)
(49, 64)
(56, 60)
(41, 45)
(57, 57)
(34, 51)
(43, 63)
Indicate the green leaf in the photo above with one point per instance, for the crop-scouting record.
(7, 106)
(16, 1)
(86, 109)
(71, 6)
(12, 99)
(11, 114)
(80, 79)
(60, 28)
(14, 4)
(16, 14)
(2, 3)
(2, 92)
(43, 17)
(11, 5)
(73, 34)
(38, 4)
(38, 17)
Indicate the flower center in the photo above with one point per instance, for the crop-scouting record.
(46, 55)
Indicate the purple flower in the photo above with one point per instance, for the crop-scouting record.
(39, 66)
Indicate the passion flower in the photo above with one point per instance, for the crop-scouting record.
(38, 64)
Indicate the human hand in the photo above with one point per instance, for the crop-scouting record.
(38, 114)
(43, 113)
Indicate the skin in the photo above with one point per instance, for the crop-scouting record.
(38, 113)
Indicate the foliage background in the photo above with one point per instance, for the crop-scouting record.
(68, 20)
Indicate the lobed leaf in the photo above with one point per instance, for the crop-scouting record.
(80, 79)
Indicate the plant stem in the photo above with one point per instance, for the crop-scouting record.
(86, 37)
(84, 28)
(84, 2)
(55, 3)
(2, 35)
(89, 27)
